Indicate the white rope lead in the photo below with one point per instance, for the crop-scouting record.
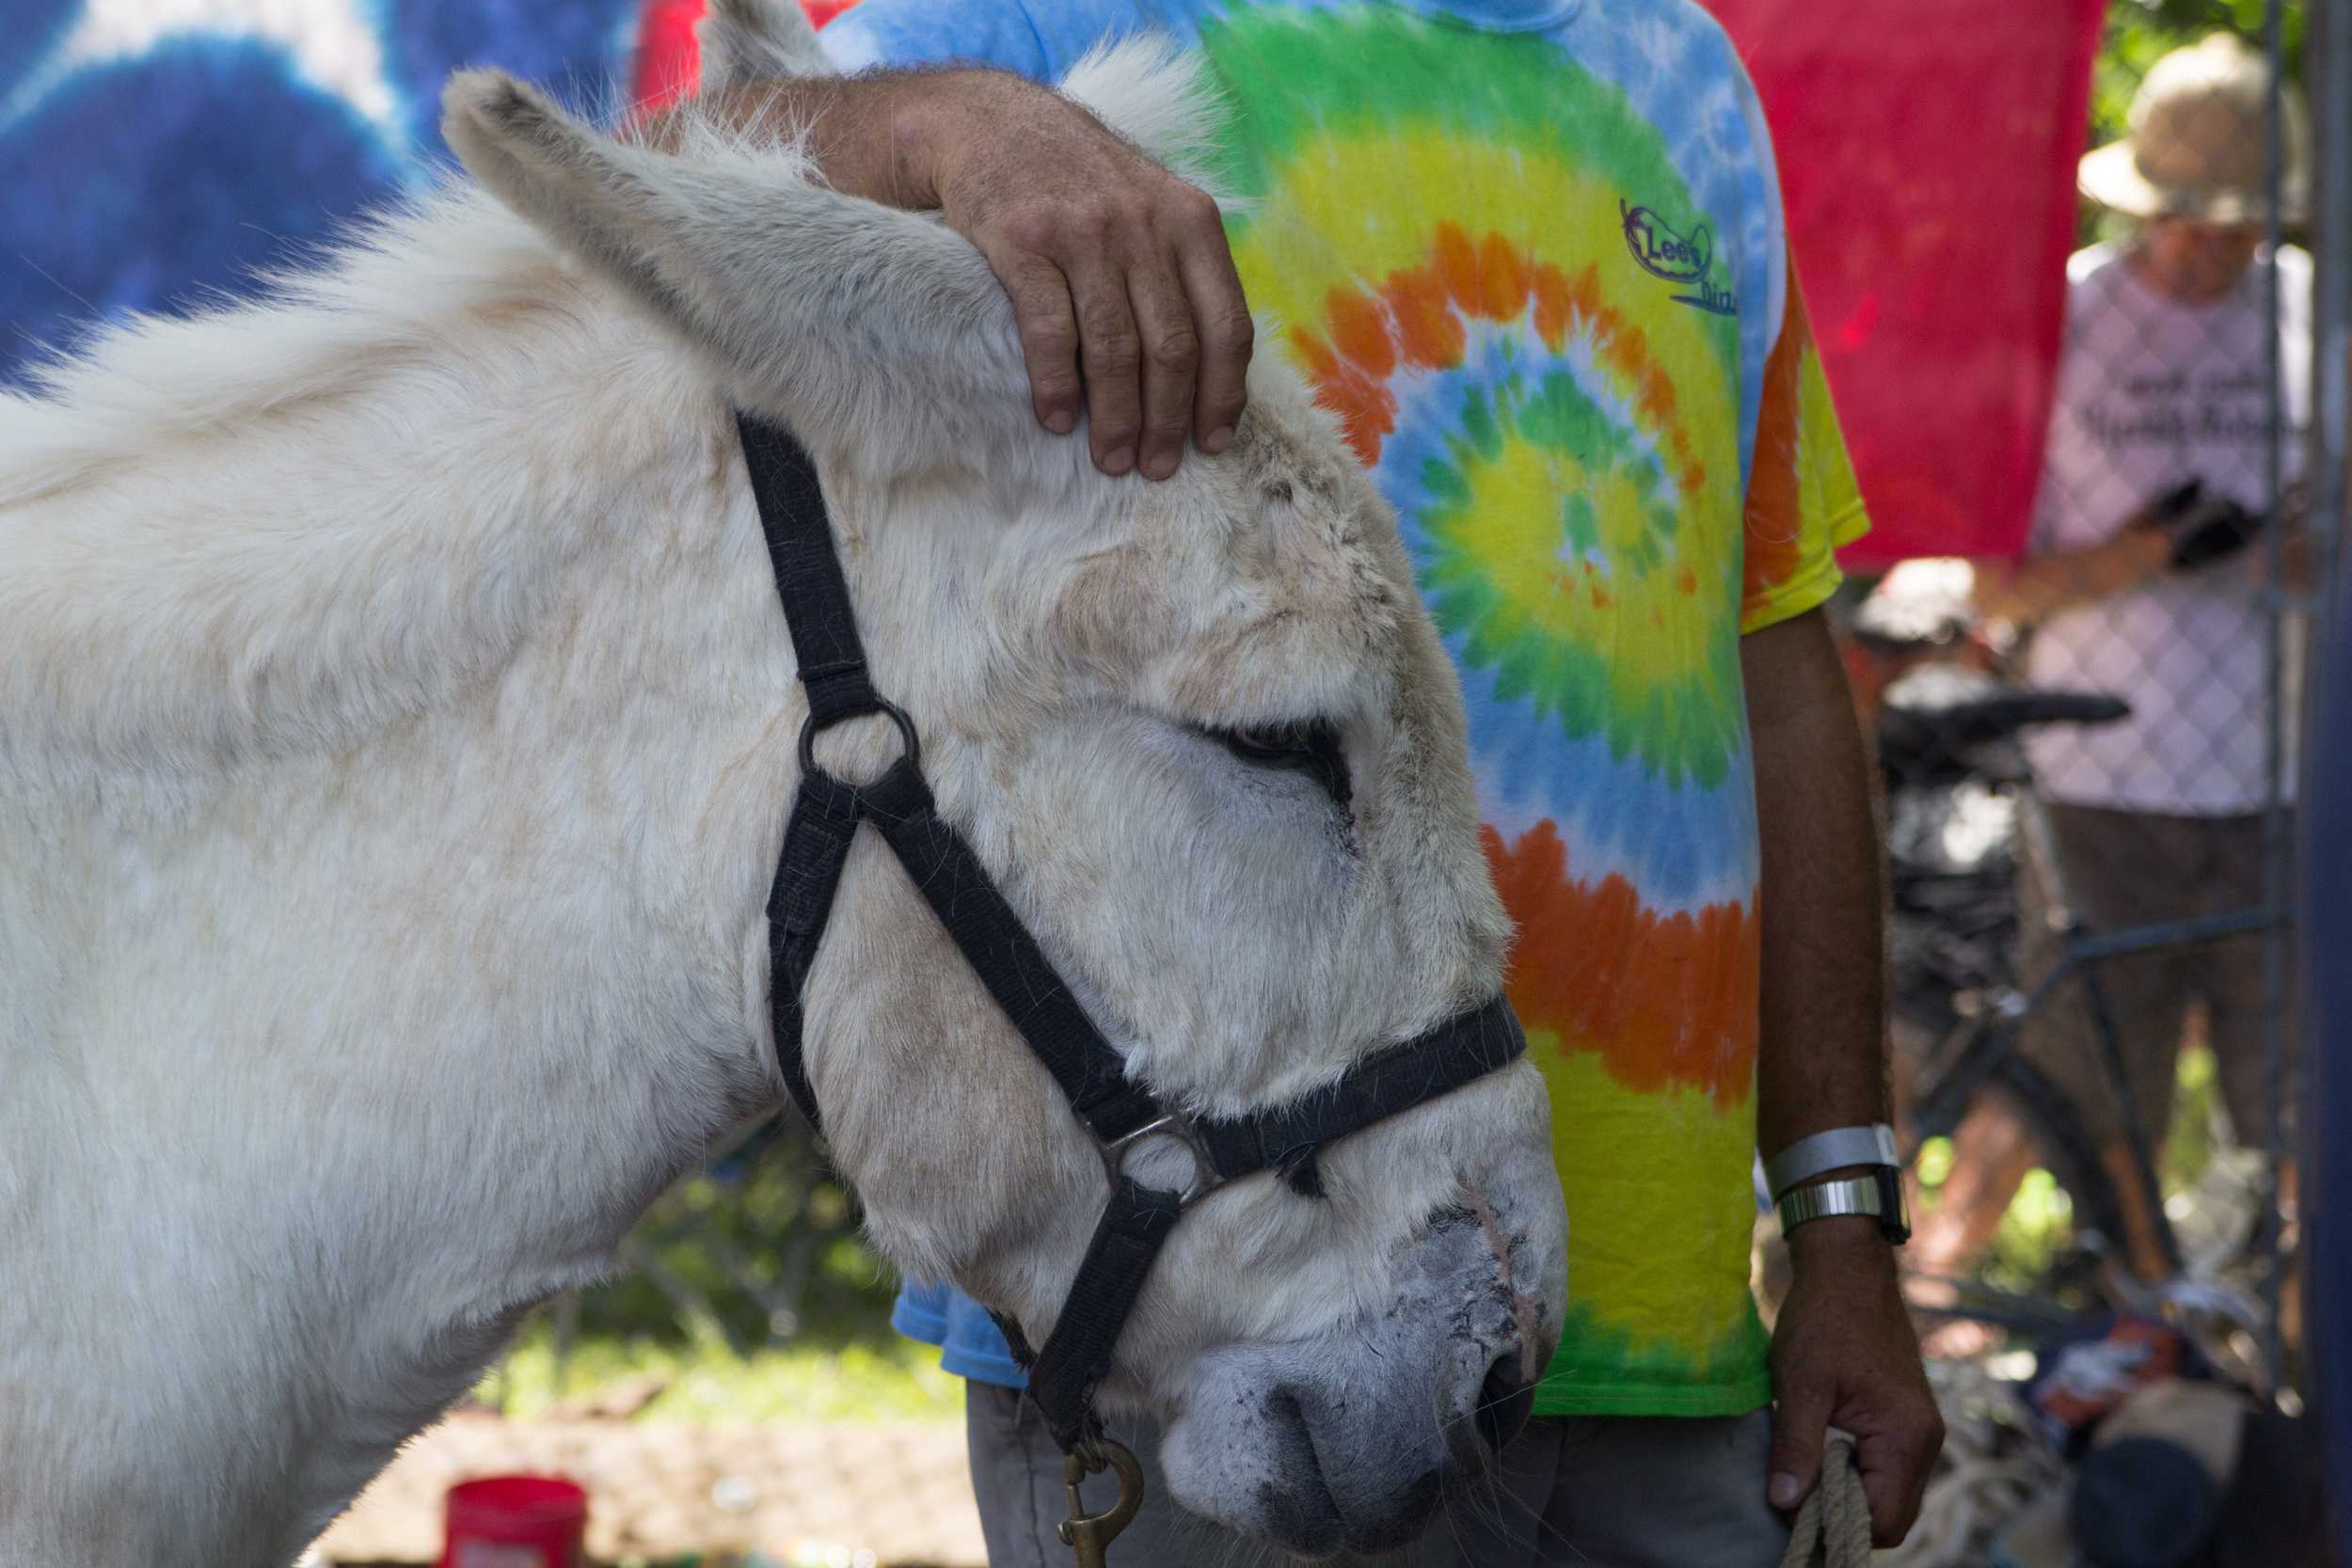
(1833, 1528)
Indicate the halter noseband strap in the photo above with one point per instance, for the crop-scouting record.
(1120, 1114)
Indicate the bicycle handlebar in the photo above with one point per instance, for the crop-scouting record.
(1920, 742)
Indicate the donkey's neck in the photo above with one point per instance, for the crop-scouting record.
(441, 578)
(286, 525)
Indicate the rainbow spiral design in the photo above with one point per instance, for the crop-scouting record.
(1438, 224)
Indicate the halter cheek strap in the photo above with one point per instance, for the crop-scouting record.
(1120, 1115)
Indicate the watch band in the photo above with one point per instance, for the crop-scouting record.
(1807, 1158)
(1878, 1196)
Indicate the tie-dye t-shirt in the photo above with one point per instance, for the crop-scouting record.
(1533, 254)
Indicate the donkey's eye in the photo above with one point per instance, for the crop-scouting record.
(1277, 743)
(1311, 746)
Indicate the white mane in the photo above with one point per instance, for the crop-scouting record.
(283, 613)
(394, 284)
(372, 467)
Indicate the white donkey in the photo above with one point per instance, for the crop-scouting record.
(396, 727)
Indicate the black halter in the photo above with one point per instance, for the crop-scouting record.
(1118, 1114)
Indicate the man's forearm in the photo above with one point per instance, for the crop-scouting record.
(1843, 1350)
(873, 136)
(1821, 1059)
(1842, 1345)
(2034, 590)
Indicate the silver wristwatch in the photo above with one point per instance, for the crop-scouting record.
(1877, 1195)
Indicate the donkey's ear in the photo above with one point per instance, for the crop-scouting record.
(758, 40)
(845, 318)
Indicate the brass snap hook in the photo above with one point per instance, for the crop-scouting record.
(1089, 1536)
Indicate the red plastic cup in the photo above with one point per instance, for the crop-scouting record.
(517, 1521)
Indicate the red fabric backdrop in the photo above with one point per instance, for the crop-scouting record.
(1927, 155)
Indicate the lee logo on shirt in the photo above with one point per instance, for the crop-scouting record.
(1663, 253)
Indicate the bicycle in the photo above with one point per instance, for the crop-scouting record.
(1959, 808)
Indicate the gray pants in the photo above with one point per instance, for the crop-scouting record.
(1612, 1492)
(2118, 869)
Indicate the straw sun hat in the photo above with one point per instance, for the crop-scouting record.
(2196, 143)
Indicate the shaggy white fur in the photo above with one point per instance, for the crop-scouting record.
(395, 722)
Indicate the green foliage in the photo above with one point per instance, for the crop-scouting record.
(759, 1248)
(747, 1293)
(2037, 1225)
(885, 1379)
(760, 1245)
(2040, 1221)
(2189, 1148)
(2140, 32)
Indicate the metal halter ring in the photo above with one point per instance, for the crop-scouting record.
(896, 715)
(1175, 1125)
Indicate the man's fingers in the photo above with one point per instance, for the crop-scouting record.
(1110, 356)
(1895, 1468)
(1122, 287)
(1890, 1514)
(1171, 354)
(1799, 1424)
(1048, 323)
(1220, 315)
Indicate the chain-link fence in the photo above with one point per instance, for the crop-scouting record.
(2090, 748)
(2091, 756)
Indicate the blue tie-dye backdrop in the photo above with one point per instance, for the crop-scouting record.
(155, 150)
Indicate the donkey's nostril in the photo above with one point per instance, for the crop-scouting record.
(1505, 1402)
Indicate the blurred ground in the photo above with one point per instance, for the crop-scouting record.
(873, 1495)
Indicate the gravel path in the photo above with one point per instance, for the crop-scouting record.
(799, 1494)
